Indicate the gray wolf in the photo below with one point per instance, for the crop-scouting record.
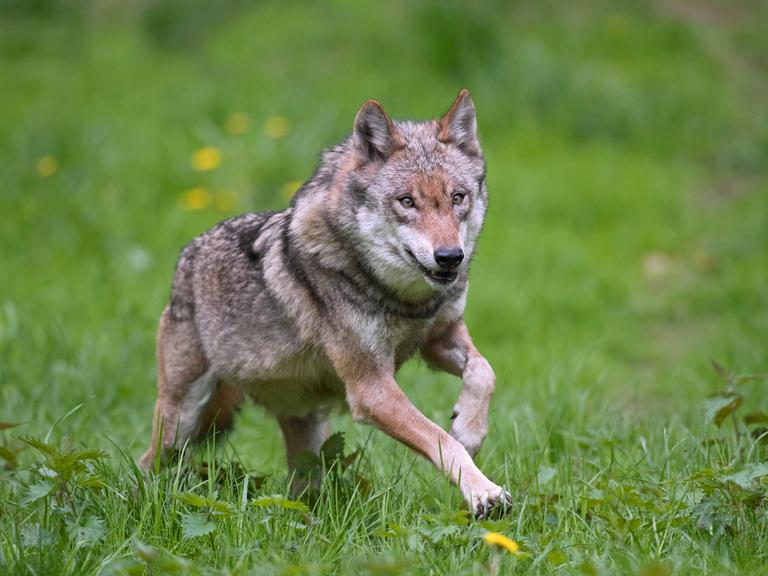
(321, 303)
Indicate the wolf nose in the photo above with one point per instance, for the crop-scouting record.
(449, 258)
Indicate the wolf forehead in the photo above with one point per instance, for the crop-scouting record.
(424, 152)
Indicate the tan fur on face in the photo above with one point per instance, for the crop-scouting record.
(438, 221)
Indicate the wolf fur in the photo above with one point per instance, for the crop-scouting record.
(324, 301)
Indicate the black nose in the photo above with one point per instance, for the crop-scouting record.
(449, 258)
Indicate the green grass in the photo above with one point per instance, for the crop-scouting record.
(626, 246)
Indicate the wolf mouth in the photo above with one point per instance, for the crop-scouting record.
(440, 276)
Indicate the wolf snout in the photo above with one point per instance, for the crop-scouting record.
(449, 258)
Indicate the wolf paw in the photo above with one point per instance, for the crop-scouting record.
(493, 502)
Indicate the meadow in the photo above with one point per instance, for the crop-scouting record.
(620, 289)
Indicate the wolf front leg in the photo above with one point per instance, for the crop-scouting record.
(449, 348)
(375, 398)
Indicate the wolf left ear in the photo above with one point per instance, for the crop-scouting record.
(459, 125)
(375, 134)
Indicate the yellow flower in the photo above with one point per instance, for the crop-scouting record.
(496, 539)
(224, 200)
(277, 127)
(206, 159)
(47, 166)
(196, 198)
(290, 188)
(237, 123)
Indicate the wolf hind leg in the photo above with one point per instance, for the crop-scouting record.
(304, 434)
(185, 387)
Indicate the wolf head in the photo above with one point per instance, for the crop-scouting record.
(413, 196)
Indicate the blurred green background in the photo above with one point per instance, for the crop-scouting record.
(626, 244)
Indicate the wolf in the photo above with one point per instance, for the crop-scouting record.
(319, 304)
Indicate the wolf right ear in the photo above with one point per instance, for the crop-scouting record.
(375, 135)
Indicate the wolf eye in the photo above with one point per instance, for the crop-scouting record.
(458, 198)
(406, 201)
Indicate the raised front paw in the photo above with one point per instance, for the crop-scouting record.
(492, 501)
(469, 429)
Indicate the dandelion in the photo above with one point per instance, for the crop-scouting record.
(47, 166)
(289, 189)
(496, 539)
(277, 127)
(196, 198)
(237, 123)
(224, 200)
(206, 159)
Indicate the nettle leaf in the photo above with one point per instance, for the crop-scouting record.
(306, 463)
(333, 447)
(163, 562)
(8, 455)
(719, 406)
(437, 534)
(216, 506)
(39, 445)
(34, 535)
(557, 557)
(90, 532)
(497, 525)
(37, 491)
(393, 530)
(195, 524)
(191, 499)
(457, 517)
(756, 418)
(746, 476)
(280, 502)
(545, 475)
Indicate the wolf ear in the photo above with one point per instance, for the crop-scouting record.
(374, 135)
(459, 125)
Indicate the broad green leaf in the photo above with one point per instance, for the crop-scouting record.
(545, 475)
(164, 562)
(746, 476)
(90, 482)
(280, 502)
(88, 533)
(191, 499)
(8, 455)
(36, 492)
(218, 507)
(756, 418)
(307, 463)
(194, 524)
(392, 530)
(720, 406)
(39, 445)
(557, 557)
(333, 447)
(34, 535)
(497, 525)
